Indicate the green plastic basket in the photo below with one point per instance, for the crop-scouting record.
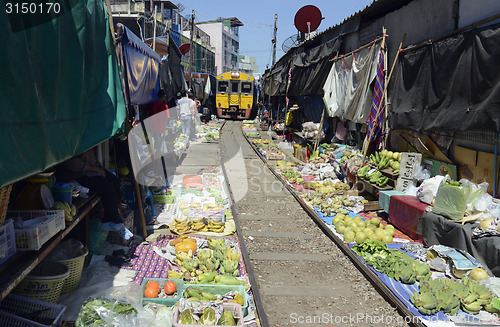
(168, 301)
(76, 267)
(45, 281)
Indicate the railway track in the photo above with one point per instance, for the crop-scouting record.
(301, 275)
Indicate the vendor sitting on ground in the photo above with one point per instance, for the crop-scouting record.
(85, 169)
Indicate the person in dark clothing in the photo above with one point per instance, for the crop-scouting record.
(86, 170)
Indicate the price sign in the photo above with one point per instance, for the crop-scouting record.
(410, 161)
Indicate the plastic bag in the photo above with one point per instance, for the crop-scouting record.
(115, 306)
(421, 174)
(451, 201)
(412, 190)
(65, 250)
(428, 189)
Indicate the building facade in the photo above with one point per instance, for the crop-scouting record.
(139, 17)
(224, 37)
(248, 65)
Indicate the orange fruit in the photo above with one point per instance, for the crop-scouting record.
(153, 284)
(170, 287)
(151, 292)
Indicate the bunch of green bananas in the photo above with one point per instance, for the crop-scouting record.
(382, 181)
(363, 171)
(375, 176)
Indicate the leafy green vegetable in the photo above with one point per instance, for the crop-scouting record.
(90, 313)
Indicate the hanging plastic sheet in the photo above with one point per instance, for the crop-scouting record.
(143, 69)
(311, 67)
(451, 85)
(347, 89)
(60, 90)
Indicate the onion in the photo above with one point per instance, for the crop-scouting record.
(478, 274)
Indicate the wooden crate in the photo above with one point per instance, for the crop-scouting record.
(372, 206)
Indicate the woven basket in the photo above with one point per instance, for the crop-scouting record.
(4, 202)
(76, 267)
(45, 282)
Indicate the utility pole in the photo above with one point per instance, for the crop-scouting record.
(191, 55)
(274, 38)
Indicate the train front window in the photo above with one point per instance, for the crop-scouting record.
(246, 87)
(234, 87)
(223, 86)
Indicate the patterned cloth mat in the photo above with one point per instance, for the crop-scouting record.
(148, 264)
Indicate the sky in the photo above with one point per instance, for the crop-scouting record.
(258, 19)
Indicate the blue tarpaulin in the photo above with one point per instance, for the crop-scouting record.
(143, 69)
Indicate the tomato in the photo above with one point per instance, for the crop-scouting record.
(153, 284)
(151, 292)
(170, 287)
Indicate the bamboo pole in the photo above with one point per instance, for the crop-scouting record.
(359, 49)
(383, 95)
(386, 105)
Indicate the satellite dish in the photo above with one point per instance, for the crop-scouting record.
(307, 19)
(184, 48)
(290, 42)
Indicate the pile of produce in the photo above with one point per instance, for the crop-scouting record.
(206, 317)
(198, 225)
(211, 137)
(373, 175)
(154, 290)
(448, 295)
(292, 176)
(359, 231)
(69, 211)
(330, 205)
(385, 159)
(392, 262)
(206, 265)
(194, 294)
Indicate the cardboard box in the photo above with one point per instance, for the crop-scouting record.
(301, 153)
(466, 160)
(440, 168)
(485, 169)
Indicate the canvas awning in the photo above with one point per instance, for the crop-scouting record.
(60, 91)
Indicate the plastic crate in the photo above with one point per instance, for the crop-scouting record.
(114, 236)
(14, 304)
(170, 301)
(234, 307)
(222, 290)
(7, 241)
(45, 224)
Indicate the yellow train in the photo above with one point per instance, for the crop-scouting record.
(236, 95)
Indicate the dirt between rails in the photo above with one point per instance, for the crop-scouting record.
(303, 277)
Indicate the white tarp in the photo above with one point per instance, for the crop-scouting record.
(348, 88)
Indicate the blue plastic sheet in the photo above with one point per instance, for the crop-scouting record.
(143, 69)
